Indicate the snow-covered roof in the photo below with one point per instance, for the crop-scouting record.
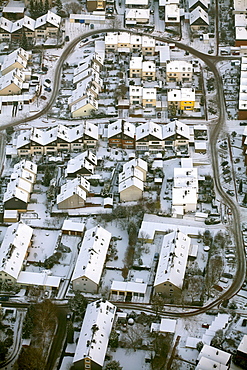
(240, 5)
(148, 66)
(70, 225)
(183, 94)
(175, 127)
(243, 345)
(135, 91)
(198, 13)
(185, 177)
(131, 172)
(128, 183)
(149, 93)
(136, 63)
(15, 76)
(111, 38)
(137, 14)
(240, 33)
(168, 325)
(184, 195)
(43, 137)
(92, 343)
(50, 18)
(127, 128)
(207, 364)
(172, 13)
(179, 66)
(91, 259)
(214, 354)
(149, 128)
(14, 191)
(86, 159)
(6, 24)
(88, 100)
(173, 259)
(70, 191)
(136, 2)
(136, 162)
(148, 42)
(17, 56)
(193, 2)
(129, 286)
(14, 247)
(38, 278)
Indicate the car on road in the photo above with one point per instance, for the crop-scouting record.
(210, 51)
(159, 115)
(66, 38)
(230, 192)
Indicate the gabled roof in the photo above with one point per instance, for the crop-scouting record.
(131, 181)
(149, 128)
(15, 76)
(78, 181)
(176, 127)
(70, 134)
(129, 286)
(18, 56)
(121, 126)
(137, 13)
(92, 344)
(70, 225)
(69, 192)
(136, 162)
(14, 247)
(178, 66)
(199, 14)
(193, 2)
(131, 172)
(5, 24)
(86, 159)
(43, 137)
(50, 17)
(185, 177)
(91, 259)
(136, 63)
(173, 259)
(215, 354)
(13, 191)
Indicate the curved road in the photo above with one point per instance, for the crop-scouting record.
(215, 129)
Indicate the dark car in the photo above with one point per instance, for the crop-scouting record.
(66, 38)
(159, 114)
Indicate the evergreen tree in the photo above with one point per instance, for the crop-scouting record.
(46, 6)
(59, 7)
(24, 42)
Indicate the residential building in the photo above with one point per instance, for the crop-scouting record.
(242, 99)
(135, 67)
(172, 15)
(20, 187)
(199, 19)
(18, 59)
(82, 164)
(84, 107)
(149, 136)
(94, 336)
(181, 99)
(136, 16)
(12, 83)
(135, 95)
(241, 355)
(179, 71)
(57, 140)
(239, 6)
(131, 189)
(148, 70)
(138, 163)
(148, 45)
(130, 172)
(172, 263)
(193, 4)
(128, 290)
(121, 134)
(176, 135)
(73, 193)
(13, 251)
(124, 42)
(213, 358)
(91, 259)
(149, 97)
(95, 5)
(74, 228)
(13, 10)
(136, 4)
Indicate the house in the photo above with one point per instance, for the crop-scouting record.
(14, 247)
(94, 335)
(123, 42)
(135, 67)
(17, 59)
(217, 357)
(242, 99)
(136, 16)
(149, 136)
(131, 189)
(84, 107)
(121, 134)
(12, 82)
(91, 259)
(135, 95)
(148, 46)
(239, 6)
(14, 10)
(172, 15)
(19, 188)
(148, 70)
(199, 19)
(241, 355)
(136, 4)
(73, 193)
(181, 99)
(47, 25)
(82, 164)
(71, 227)
(149, 97)
(138, 163)
(93, 5)
(179, 71)
(176, 135)
(42, 279)
(127, 290)
(193, 4)
(130, 172)
(5, 30)
(172, 263)
(56, 140)
(111, 42)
